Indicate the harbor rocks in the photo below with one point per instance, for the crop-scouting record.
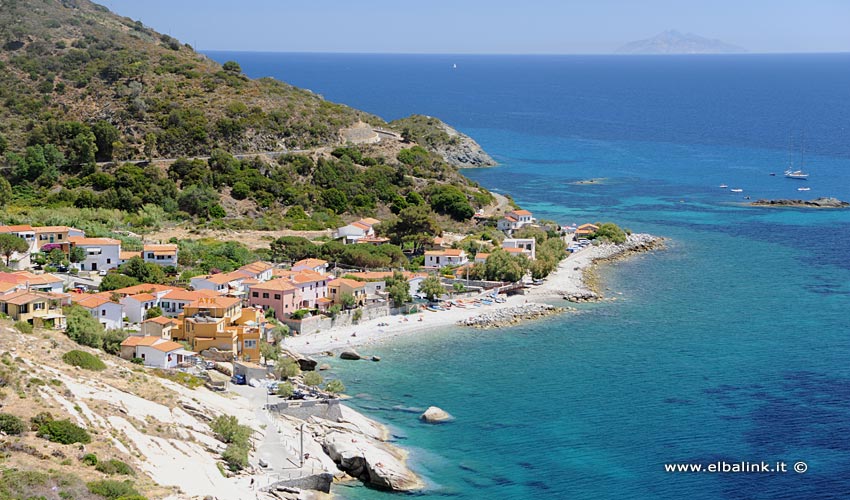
(510, 315)
(350, 354)
(816, 203)
(371, 461)
(306, 364)
(435, 415)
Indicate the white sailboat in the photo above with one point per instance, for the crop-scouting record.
(791, 172)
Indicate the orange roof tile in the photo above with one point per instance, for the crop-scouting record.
(167, 346)
(348, 282)
(142, 297)
(169, 247)
(521, 212)
(217, 302)
(277, 285)
(510, 219)
(16, 229)
(514, 250)
(257, 267)
(161, 320)
(124, 255)
(90, 301)
(142, 288)
(308, 276)
(360, 225)
(82, 241)
(368, 221)
(311, 263)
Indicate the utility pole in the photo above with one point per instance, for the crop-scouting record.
(301, 457)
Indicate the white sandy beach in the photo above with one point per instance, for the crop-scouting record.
(566, 280)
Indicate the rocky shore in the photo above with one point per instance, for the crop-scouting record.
(815, 203)
(462, 151)
(510, 315)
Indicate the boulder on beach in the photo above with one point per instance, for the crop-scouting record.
(376, 358)
(324, 367)
(435, 415)
(349, 354)
(305, 363)
(371, 461)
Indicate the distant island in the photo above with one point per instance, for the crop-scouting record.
(674, 42)
(816, 203)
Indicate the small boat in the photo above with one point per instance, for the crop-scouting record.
(804, 189)
(796, 174)
(736, 190)
(773, 174)
(723, 186)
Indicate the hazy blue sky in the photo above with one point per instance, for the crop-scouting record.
(490, 26)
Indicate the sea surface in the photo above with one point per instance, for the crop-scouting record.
(732, 345)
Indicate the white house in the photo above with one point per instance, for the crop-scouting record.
(223, 283)
(356, 230)
(525, 246)
(155, 352)
(260, 271)
(136, 306)
(124, 256)
(101, 253)
(27, 280)
(21, 260)
(109, 314)
(515, 219)
(447, 257)
(164, 255)
(317, 265)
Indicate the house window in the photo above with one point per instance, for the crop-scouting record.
(250, 344)
(277, 296)
(103, 312)
(38, 306)
(265, 295)
(109, 261)
(255, 294)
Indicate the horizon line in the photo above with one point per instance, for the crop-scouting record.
(617, 54)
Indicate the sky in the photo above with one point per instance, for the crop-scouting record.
(489, 26)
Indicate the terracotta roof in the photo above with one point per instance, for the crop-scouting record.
(188, 296)
(22, 277)
(324, 300)
(167, 346)
(279, 285)
(589, 226)
(369, 221)
(16, 229)
(223, 278)
(348, 282)
(510, 219)
(521, 212)
(6, 286)
(161, 320)
(169, 247)
(308, 276)
(81, 241)
(373, 239)
(142, 297)
(55, 229)
(514, 250)
(257, 267)
(136, 340)
(24, 297)
(382, 275)
(360, 225)
(310, 263)
(481, 255)
(90, 301)
(124, 255)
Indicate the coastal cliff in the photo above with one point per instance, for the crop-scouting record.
(456, 149)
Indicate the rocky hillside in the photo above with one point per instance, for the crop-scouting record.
(82, 89)
(454, 147)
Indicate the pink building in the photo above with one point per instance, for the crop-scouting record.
(279, 294)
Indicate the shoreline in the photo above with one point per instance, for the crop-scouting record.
(573, 280)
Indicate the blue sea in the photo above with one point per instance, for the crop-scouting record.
(731, 345)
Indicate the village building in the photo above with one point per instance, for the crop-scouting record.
(280, 295)
(161, 327)
(447, 257)
(108, 313)
(340, 287)
(522, 246)
(163, 255)
(101, 253)
(515, 219)
(351, 233)
(155, 352)
(316, 265)
(39, 309)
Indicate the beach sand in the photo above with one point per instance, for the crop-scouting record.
(567, 279)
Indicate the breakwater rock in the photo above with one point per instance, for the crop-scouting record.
(815, 203)
(510, 315)
(435, 415)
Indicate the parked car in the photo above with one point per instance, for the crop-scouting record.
(102, 272)
(272, 388)
(298, 394)
(238, 379)
(209, 365)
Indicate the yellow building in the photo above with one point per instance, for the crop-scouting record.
(341, 286)
(221, 322)
(37, 308)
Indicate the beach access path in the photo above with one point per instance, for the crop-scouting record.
(566, 280)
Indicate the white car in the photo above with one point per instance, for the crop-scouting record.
(102, 272)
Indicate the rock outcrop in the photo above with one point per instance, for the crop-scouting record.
(369, 460)
(435, 415)
(510, 315)
(462, 151)
(815, 203)
(350, 354)
(306, 363)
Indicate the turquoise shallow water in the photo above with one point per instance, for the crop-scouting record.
(733, 344)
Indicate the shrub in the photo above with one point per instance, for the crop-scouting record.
(113, 490)
(236, 456)
(335, 387)
(312, 379)
(40, 419)
(114, 466)
(285, 389)
(228, 429)
(64, 432)
(83, 360)
(287, 367)
(10, 424)
(23, 327)
(89, 459)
